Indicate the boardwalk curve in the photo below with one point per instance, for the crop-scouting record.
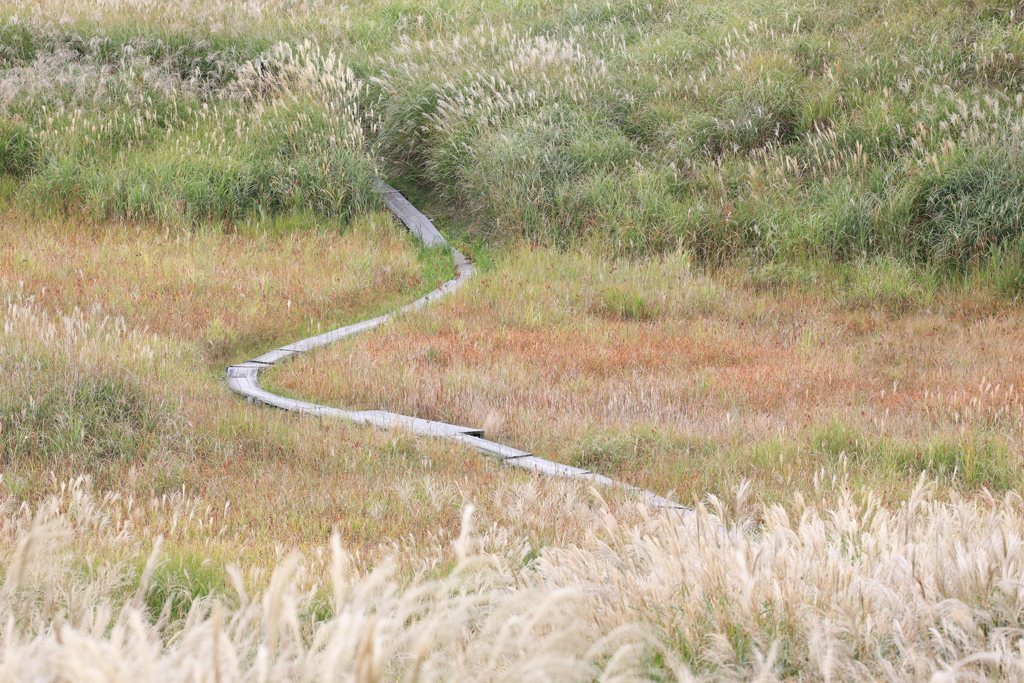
(244, 378)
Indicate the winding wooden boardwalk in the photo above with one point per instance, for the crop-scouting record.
(244, 377)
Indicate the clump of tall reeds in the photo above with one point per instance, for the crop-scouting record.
(315, 618)
(634, 128)
(130, 132)
(926, 590)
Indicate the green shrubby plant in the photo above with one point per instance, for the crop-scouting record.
(279, 134)
(839, 131)
(17, 149)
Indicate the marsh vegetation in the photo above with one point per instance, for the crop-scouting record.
(763, 256)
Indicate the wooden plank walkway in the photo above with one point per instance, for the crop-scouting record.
(243, 378)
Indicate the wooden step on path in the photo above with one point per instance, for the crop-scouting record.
(244, 378)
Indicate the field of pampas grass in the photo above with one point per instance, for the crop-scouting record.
(777, 249)
(849, 591)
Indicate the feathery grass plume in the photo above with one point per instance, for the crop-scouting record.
(923, 591)
(276, 135)
(475, 624)
(835, 132)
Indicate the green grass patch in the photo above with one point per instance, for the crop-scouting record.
(970, 463)
(76, 419)
(753, 130)
(628, 304)
(180, 580)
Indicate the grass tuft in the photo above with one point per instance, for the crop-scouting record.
(627, 305)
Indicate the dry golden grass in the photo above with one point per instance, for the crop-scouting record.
(111, 358)
(680, 382)
(854, 590)
(229, 296)
(621, 126)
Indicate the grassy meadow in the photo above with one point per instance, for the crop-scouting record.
(765, 256)
(676, 381)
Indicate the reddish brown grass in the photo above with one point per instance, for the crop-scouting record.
(728, 380)
(163, 314)
(231, 294)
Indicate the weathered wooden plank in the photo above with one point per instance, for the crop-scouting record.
(660, 501)
(317, 410)
(289, 404)
(411, 217)
(497, 450)
(416, 425)
(244, 385)
(651, 498)
(273, 357)
(241, 370)
(542, 466)
(600, 479)
(310, 343)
